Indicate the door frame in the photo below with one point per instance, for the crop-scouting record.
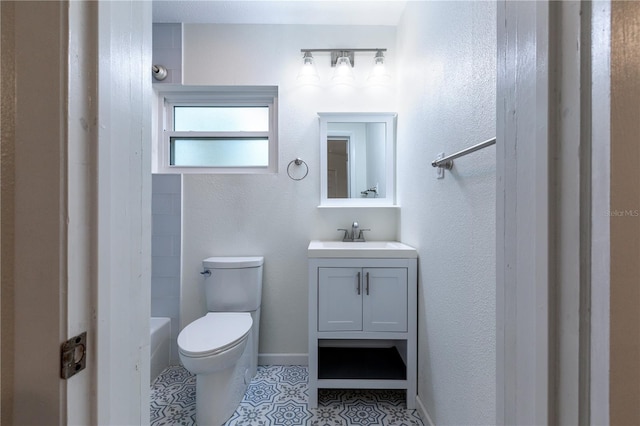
(546, 157)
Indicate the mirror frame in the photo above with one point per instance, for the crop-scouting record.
(389, 118)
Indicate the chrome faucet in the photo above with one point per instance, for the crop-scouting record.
(355, 230)
(355, 235)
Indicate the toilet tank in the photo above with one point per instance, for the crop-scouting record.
(234, 283)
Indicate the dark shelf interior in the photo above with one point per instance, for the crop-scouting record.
(360, 363)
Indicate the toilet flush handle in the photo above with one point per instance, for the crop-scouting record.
(206, 273)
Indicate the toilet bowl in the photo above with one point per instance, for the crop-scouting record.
(221, 348)
(212, 348)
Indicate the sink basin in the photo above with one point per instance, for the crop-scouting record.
(375, 249)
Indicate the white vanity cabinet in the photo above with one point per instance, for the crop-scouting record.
(363, 324)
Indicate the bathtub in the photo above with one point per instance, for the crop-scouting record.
(159, 347)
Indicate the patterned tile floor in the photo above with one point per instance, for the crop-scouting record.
(278, 396)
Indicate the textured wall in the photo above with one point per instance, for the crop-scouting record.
(272, 215)
(447, 98)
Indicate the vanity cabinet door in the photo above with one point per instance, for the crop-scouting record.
(339, 299)
(385, 299)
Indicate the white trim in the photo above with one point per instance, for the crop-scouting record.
(395, 206)
(600, 203)
(422, 412)
(544, 178)
(523, 221)
(570, 210)
(81, 181)
(123, 234)
(283, 359)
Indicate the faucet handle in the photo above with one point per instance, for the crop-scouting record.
(361, 235)
(346, 234)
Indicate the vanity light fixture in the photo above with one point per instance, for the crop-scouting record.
(343, 60)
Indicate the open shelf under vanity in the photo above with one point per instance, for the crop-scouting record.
(360, 363)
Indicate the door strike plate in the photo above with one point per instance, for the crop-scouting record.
(73, 355)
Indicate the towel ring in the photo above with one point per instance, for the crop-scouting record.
(298, 162)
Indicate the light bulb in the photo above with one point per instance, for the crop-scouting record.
(379, 73)
(343, 73)
(308, 73)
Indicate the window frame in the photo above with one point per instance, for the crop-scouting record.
(215, 96)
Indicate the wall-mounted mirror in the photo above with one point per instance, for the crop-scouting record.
(357, 159)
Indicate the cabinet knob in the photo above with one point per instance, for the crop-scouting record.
(358, 283)
(367, 287)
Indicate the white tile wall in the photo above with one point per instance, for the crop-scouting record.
(167, 51)
(166, 201)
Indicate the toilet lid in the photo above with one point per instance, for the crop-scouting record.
(233, 262)
(213, 333)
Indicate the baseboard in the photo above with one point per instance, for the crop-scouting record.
(283, 359)
(422, 411)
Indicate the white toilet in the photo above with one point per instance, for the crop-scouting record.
(221, 348)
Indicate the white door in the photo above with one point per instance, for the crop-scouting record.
(340, 299)
(384, 303)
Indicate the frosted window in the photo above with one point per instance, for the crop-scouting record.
(217, 129)
(220, 119)
(220, 152)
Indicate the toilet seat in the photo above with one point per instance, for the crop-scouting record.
(214, 333)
